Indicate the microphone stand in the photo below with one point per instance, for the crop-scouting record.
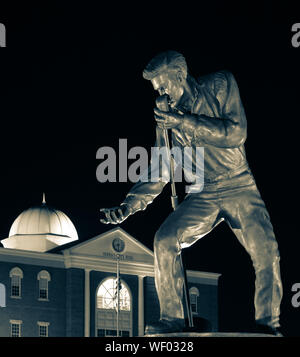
(162, 104)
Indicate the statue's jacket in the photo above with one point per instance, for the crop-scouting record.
(218, 124)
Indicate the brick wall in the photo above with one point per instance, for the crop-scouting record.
(207, 306)
(65, 308)
(151, 303)
(28, 308)
(74, 302)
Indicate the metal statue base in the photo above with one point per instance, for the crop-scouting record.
(210, 334)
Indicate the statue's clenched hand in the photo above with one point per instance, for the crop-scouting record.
(115, 215)
(167, 120)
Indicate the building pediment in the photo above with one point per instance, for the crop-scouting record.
(109, 245)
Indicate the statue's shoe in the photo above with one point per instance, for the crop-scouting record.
(164, 326)
(275, 331)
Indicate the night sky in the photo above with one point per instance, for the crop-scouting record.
(71, 82)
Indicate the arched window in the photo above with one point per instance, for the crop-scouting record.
(16, 275)
(107, 302)
(43, 278)
(194, 294)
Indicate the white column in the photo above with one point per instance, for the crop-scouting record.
(141, 306)
(87, 311)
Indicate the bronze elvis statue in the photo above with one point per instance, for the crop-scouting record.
(205, 112)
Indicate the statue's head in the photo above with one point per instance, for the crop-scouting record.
(168, 73)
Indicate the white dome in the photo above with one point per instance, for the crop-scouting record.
(43, 220)
(40, 229)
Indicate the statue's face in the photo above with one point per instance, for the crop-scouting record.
(169, 83)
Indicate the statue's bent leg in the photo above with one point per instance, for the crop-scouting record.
(191, 220)
(251, 224)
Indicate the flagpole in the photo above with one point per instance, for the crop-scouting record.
(118, 293)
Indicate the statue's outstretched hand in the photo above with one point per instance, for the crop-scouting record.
(115, 215)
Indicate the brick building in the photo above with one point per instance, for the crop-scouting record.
(51, 284)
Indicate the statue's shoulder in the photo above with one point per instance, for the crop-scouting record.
(216, 81)
(215, 77)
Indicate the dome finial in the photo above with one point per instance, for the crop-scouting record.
(44, 198)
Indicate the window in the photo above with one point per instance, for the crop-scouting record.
(106, 311)
(108, 333)
(43, 278)
(107, 296)
(16, 275)
(15, 328)
(194, 294)
(43, 328)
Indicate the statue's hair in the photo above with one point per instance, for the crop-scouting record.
(165, 62)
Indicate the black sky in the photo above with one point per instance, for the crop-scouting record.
(71, 82)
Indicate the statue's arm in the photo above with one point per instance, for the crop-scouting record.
(151, 182)
(227, 131)
(149, 186)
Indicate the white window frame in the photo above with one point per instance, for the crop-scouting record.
(16, 322)
(43, 324)
(107, 312)
(43, 274)
(16, 272)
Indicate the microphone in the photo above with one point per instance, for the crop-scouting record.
(162, 103)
